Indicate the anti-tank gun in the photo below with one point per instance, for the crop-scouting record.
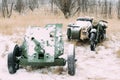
(42, 47)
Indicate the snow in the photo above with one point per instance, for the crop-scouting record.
(84, 24)
(102, 64)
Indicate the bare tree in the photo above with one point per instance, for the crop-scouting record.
(103, 8)
(33, 4)
(68, 7)
(5, 9)
(110, 10)
(84, 6)
(104, 11)
(19, 6)
(52, 5)
(91, 6)
(118, 9)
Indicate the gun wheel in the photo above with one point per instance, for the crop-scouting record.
(17, 51)
(13, 63)
(71, 60)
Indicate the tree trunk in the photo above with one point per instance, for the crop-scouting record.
(110, 10)
(119, 9)
(5, 10)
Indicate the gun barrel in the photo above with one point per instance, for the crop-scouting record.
(35, 41)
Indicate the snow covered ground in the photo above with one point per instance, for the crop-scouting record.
(102, 64)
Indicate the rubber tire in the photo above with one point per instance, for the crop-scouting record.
(17, 51)
(11, 63)
(92, 46)
(68, 34)
(79, 35)
(71, 60)
(99, 39)
(68, 37)
(92, 42)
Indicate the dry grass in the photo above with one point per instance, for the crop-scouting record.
(36, 18)
(114, 25)
(58, 70)
(18, 23)
(118, 53)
